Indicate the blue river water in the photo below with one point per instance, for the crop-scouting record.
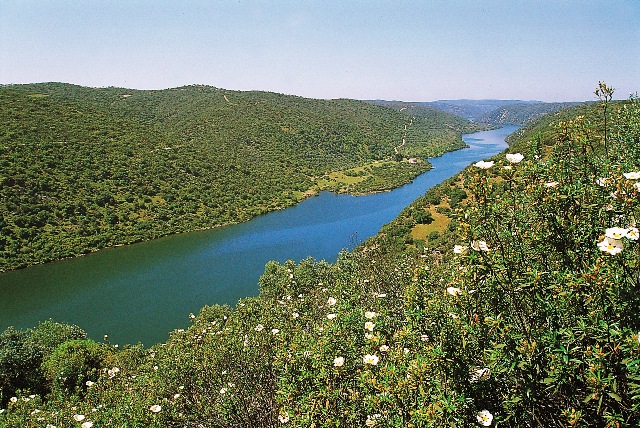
(138, 293)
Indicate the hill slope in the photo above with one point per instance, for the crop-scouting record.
(473, 109)
(521, 312)
(521, 113)
(85, 168)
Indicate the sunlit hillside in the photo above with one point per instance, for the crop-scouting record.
(518, 308)
(87, 168)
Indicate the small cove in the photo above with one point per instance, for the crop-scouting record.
(138, 293)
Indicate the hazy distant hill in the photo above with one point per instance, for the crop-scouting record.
(499, 112)
(473, 109)
(86, 168)
(521, 113)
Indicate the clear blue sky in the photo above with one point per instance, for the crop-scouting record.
(411, 50)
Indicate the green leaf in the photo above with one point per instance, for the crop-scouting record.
(615, 396)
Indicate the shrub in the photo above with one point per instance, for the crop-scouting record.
(72, 364)
(22, 353)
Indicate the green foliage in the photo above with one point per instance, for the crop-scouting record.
(84, 168)
(522, 113)
(530, 321)
(74, 364)
(22, 353)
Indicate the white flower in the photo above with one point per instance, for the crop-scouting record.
(155, 408)
(78, 418)
(602, 182)
(176, 396)
(223, 391)
(295, 315)
(49, 425)
(485, 418)
(89, 383)
(87, 424)
(369, 315)
(551, 184)
(371, 420)
(632, 233)
(454, 291)
(479, 246)
(13, 399)
(616, 233)
(338, 361)
(611, 246)
(384, 348)
(483, 164)
(369, 326)
(514, 157)
(283, 417)
(331, 301)
(381, 296)
(507, 167)
(460, 249)
(637, 186)
(370, 359)
(275, 331)
(634, 175)
(477, 373)
(331, 316)
(259, 327)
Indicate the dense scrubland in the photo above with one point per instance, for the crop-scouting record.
(87, 168)
(519, 307)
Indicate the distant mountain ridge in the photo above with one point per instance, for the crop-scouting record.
(522, 113)
(496, 112)
(474, 109)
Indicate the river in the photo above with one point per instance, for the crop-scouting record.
(138, 293)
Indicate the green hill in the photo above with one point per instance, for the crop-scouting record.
(85, 168)
(472, 109)
(521, 113)
(420, 135)
(516, 306)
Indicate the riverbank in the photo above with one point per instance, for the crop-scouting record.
(366, 179)
(91, 168)
(180, 273)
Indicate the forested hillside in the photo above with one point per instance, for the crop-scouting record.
(517, 306)
(420, 136)
(86, 168)
(521, 113)
(472, 109)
